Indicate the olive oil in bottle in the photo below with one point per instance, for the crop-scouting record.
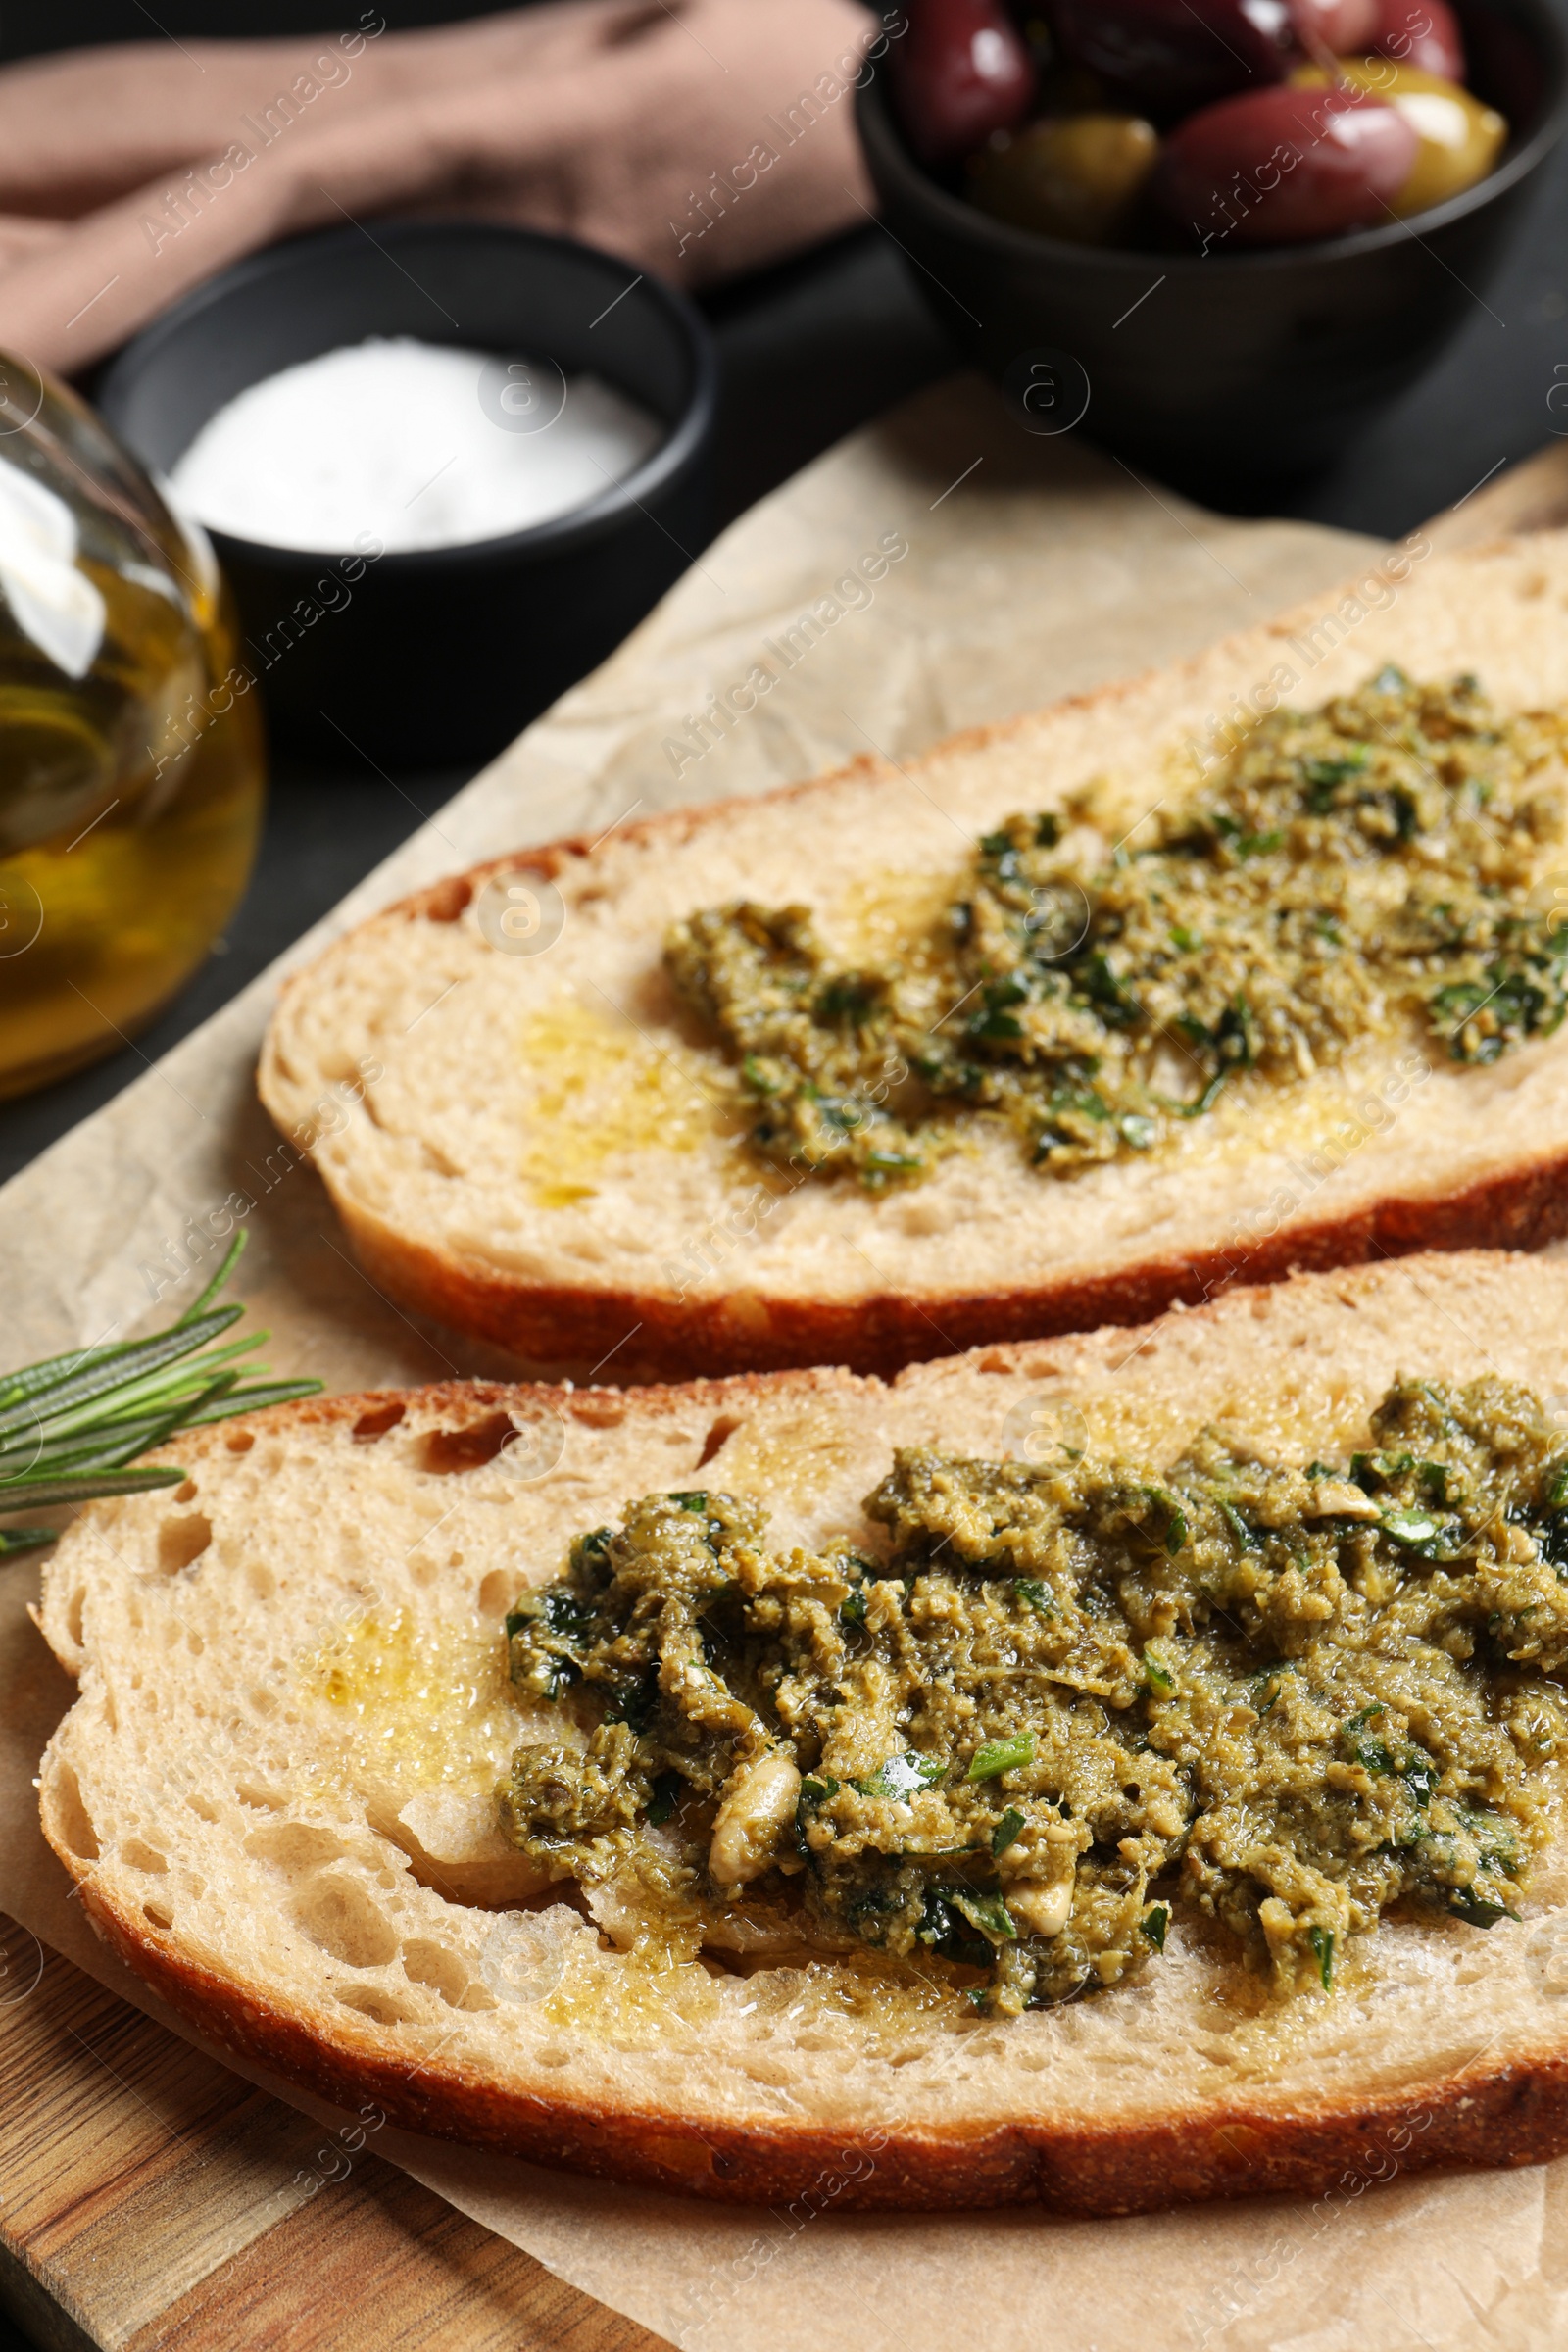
(130, 750)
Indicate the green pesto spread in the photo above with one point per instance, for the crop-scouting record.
(1354, 871)
(1059, 1706)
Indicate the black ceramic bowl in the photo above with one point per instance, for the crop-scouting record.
(438, 655)
(1258, 362)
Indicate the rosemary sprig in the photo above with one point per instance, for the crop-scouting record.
(69, 1426)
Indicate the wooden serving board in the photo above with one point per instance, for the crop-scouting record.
(151, 2201)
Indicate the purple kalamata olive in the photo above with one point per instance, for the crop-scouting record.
(1423, 33)
(1340, 27)
(1168, 55)
(1278, 165)
(959, 72)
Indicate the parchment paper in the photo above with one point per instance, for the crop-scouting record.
(1033, 569)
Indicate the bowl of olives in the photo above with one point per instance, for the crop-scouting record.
(1247, 222)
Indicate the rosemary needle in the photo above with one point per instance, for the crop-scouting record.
(71, 1425)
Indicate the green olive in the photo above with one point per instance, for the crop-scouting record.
(1071, 176)
(1460, 138)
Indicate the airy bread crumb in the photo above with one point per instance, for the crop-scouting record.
(277, 1794)
(536, 1146)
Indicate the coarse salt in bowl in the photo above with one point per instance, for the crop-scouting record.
(445, 470)
(398, 438)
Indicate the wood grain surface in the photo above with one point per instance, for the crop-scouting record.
(150, 2201)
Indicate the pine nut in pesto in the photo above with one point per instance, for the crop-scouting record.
(1363, 870)
(1081, 1704)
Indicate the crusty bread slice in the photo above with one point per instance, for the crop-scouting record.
(537, 1158)
(275, 1792)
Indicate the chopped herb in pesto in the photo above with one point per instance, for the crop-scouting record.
(666, 1798)
(1284, 1737)
(1158, 1674)
(989, 1914)
(1364, 868)
(1006, 1829)
(997, 1756)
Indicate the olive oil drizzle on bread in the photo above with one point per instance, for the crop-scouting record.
(290, 1858)
(467, 1197)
